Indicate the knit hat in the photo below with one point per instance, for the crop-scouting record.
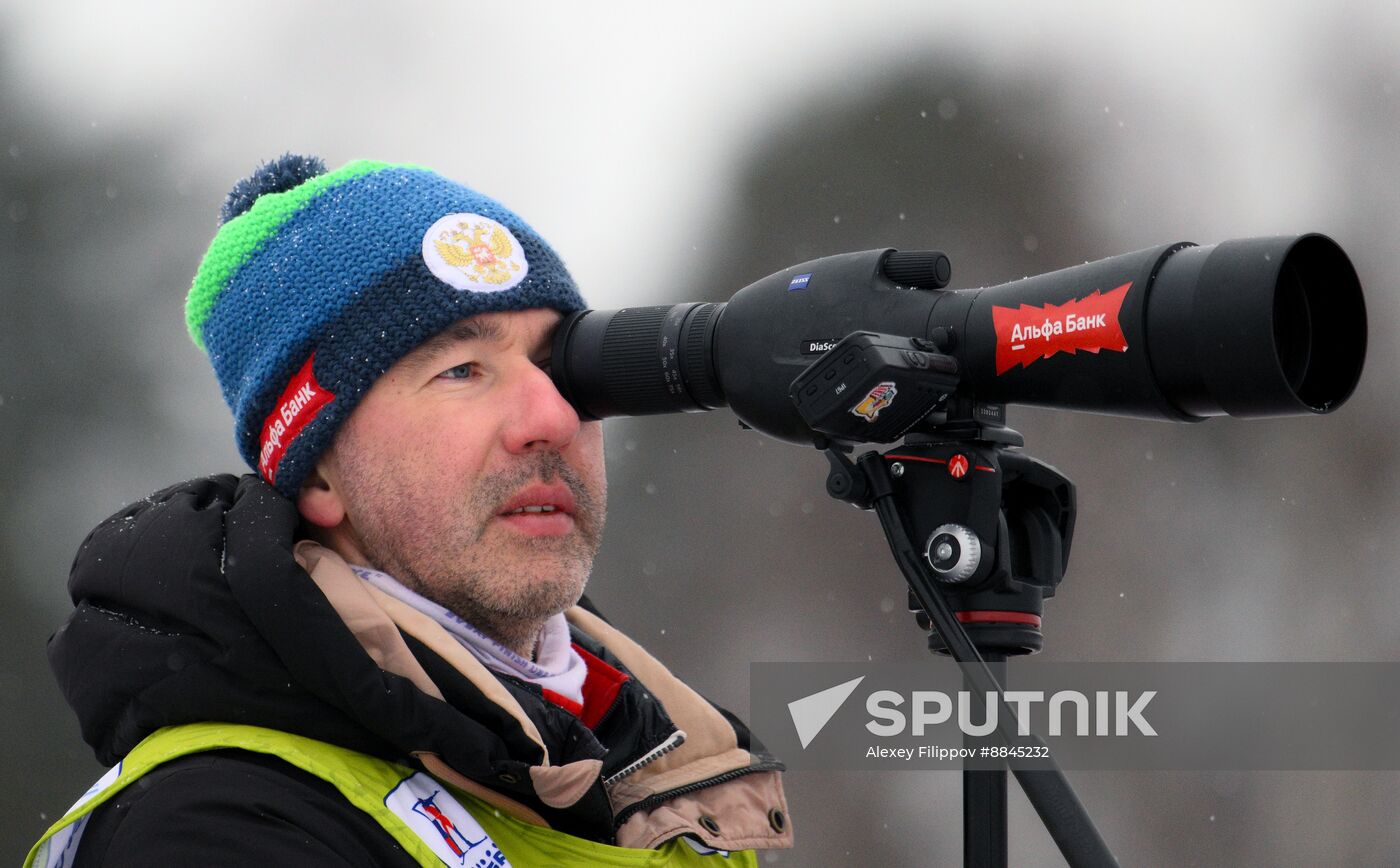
(317, 282)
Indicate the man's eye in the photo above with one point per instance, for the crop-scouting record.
(458, 372)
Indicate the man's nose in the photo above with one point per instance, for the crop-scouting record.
(540, 419)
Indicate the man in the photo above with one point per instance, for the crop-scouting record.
(369, 652)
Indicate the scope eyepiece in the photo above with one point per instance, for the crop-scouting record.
(638, 361)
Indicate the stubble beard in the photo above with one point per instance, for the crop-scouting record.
(503, 584)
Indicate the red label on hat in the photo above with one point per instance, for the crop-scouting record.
(1027, 334)
(299, 403)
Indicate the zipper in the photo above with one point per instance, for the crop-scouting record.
(652, 801)
(676, 740)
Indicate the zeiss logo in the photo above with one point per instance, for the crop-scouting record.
(799, 282)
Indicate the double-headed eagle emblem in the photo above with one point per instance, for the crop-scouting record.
(482, 250)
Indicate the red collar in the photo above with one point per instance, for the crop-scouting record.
(600, 688)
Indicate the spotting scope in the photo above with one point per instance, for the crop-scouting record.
(861, 347)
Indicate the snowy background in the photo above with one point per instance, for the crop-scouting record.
(678, 152)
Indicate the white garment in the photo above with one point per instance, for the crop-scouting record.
(557, 666)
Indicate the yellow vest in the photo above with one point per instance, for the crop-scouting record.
(434, 822)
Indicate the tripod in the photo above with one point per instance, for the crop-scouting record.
(997, 527)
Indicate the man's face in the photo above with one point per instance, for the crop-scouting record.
(465, 475)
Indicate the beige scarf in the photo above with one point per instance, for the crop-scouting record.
(748, 812)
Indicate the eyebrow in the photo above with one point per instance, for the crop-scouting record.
(460, 332)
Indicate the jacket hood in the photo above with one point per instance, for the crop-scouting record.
(191, 606)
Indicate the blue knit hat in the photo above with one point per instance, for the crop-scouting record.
(317, 282)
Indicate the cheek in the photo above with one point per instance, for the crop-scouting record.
(396, 460)
(401, 500)
(436, 447)
(589, 454)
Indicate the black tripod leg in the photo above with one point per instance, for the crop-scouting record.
(1064, 818)
(984, 796)
(984, 818)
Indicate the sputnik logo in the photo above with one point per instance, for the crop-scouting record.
(1027, 334)
(811, 713)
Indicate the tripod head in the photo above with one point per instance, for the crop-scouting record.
(993, 526)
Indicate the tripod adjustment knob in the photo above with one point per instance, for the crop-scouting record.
(954, 552)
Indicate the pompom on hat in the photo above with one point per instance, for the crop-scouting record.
(318, 282)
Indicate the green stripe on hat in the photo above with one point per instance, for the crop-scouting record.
(240, 238)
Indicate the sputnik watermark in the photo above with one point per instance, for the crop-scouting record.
(930, 708)
(1214, 716)
(1109, 713)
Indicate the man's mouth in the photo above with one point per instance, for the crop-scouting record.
(540, 509)
(521, 510)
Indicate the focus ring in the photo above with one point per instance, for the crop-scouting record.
(631, 371)
(697, 369)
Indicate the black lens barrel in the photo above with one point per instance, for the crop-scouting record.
(1250, 328)
(638, 361)
(1257, 327)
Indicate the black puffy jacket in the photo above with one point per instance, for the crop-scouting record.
(191, 607)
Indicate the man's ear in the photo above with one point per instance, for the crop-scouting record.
(319, 499)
